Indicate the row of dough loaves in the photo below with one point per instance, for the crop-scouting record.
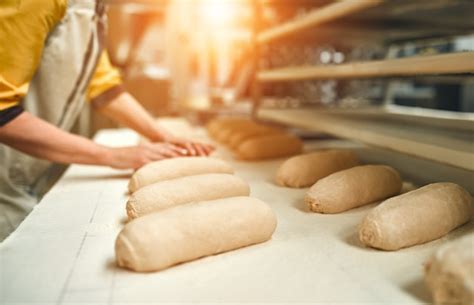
(253, 141)
(185, 208)
(339, 183)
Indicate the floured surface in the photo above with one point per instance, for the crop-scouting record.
(64, 251)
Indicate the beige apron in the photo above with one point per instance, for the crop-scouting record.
(57, 95)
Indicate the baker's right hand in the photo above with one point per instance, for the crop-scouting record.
(136, 156)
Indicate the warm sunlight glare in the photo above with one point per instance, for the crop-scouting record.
(219, 12)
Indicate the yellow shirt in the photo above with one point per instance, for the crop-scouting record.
(24, 26)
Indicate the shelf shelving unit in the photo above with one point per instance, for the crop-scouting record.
(453, 147)
(330, 12)
(455, 63)
(425, 138)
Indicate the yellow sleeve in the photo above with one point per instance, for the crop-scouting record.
(105, 77)
(24, 26)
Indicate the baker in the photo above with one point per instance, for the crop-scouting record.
(52, 62)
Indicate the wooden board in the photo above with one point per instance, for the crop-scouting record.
(450, 147)
(321, 15)
(455, 63)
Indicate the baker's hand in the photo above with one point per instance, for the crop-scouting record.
(136, 156)
(192, 148)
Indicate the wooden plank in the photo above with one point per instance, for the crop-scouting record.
(321, 15)
(450, 147)
(455, 63)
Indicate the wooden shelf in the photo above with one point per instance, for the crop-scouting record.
(452, 147)
(454, 63)
(317, 16)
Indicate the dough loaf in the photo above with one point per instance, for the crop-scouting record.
(304, 170)
(224, 133)
(165, 194)
(174, 168)
(160, 240)
(449, 273)
(214, 126)
(268, 147)
(416, 217)
(353, 188)
(241, 136)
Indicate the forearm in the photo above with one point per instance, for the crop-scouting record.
(125, 110)
(38, 138)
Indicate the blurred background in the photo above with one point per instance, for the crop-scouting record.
(201, 57)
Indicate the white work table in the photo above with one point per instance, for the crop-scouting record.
(63, 253)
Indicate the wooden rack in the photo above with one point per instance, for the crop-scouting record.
(315, 17)
(455, 63)
(453, 147)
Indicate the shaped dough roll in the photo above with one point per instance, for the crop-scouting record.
(353, 187)
(169, 193)
(160, 240)
(268, 147)
(305, 170)
(241, 136)
(449, 273)
(174, 168)
(223, 134)
(416, 217)
(217, 124)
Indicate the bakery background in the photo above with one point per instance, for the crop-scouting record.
(391, 81)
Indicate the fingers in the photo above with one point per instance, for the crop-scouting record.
(191, 149)
(208, 148)
(165, 150)
(199, 150)
(181, 151)
(203, 149)
(172, 151)
(181, 148)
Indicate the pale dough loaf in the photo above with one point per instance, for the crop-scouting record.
(353, 188)
(304, 170)
(223, 134)
(449, 273)
(215, 125)
(241, 136)
(160, 240)
(270, 146)
(174, 168)
(165, 194)
(416, 217)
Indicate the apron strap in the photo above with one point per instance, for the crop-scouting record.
(82, 82)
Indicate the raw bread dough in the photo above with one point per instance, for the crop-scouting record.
(268, 147)
(304, 170)
(225, 133)
(416, 217)
(241, 136)
(353, 188)
(174, 168)
(214, 126)
(165, 194)
(449, 273)
(220, 132)
(160, 240)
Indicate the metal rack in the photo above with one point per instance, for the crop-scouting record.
(428, 137)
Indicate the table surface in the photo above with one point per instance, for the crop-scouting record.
(63, 253)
